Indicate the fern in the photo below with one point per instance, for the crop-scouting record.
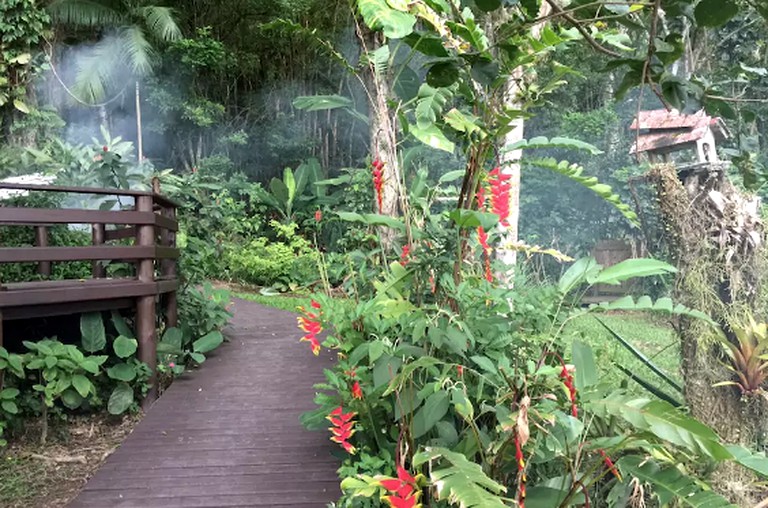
(557, 142)
(670, 483)
(463, 482)
(574, 172)
(645, 303)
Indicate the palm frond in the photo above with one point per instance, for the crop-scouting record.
(136, 49)
(160, 22)
(85, 13)
(95, 71)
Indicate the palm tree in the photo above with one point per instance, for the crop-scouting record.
(137, 28)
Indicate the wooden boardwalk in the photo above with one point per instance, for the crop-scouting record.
(229, 433)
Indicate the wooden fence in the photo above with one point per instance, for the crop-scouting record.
(152, 226)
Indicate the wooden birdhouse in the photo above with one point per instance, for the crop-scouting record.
(671, 136)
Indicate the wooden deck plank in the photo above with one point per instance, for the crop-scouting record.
(228, 434)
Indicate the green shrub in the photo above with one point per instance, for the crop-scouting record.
(288, 263)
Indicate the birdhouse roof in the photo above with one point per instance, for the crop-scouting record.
(662, 129)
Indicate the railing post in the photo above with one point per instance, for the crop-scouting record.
(41, 240)
(98, 237)
(145, 305)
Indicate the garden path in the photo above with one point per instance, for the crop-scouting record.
(228, 434)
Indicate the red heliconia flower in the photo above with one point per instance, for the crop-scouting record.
(315, 305)
(310, 323)
(378, 182)
(520, 460)
(482, 237)
(357, 392)
(318, 215)
(404, 491)
(405, 255)
(500, 194)
(342, 429)
(609, 464)
(568, 381)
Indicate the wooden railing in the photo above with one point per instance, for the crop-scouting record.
(152, 225)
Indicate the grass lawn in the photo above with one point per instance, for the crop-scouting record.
(650, 334)
(278, 301)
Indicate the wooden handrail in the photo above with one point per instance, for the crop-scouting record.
(157, 198)
(35, 216)
(151, 223)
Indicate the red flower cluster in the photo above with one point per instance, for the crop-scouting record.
(609, 464)
(318, 215)
(405, 255)
(482, 235)
(342, 428)
(378, 181)
(357, 392)
(310, 323)
(567, 377)
(520, 459)
(404, 491)
(500, 194)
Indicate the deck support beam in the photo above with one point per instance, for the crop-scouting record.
(146, 318)
(41, 240)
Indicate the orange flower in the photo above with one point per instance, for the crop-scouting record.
(310, 323)
(342, 429)
(357, 392)
(404, 492)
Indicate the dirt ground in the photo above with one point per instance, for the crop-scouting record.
(49, 476)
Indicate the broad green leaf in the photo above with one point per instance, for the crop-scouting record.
(82, 384)
(540, 496)
(290, 184)
(433, 410)
(755, 461)
(473, 219)
(125, 347)
(121, 326)
(462, 122)
(577, 274)
(432, 136)
(71, 399)
(92, 329)
(372, 219)
(488, 5)
(378, 15)
(90, 365)
(208, 342)
(584, 360)
(484, 363)
(9, 393)
(713, 13)
(197, 357)
(21, 106)
(669, 480)
(443, 74)
(121, 399)
(631, 268)
(663, 420)
(9, 407)
(460, 481)
(122, 372)
(173, 337)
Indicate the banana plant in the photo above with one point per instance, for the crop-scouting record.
(297, 191)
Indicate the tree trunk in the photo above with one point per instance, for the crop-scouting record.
(509, 160)
(718, 242)
(383, 133)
